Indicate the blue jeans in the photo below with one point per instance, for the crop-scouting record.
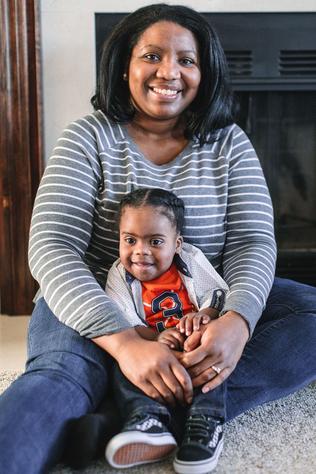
(131, 400)
(66, 376)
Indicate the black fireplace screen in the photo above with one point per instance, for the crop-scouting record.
(273, 70)
(282, 128)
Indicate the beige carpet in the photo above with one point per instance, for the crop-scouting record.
(279, 437)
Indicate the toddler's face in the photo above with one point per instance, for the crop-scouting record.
(148, 242)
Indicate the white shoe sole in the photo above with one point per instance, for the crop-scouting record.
(132, 448)
(198, 467)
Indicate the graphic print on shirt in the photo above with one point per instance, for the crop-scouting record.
(169, 304)
(165, 300)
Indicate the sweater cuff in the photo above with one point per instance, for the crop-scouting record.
(246, 305)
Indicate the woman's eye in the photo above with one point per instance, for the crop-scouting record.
(152, 57)
(156, 242)
(187, 61)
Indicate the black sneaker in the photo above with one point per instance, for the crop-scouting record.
(143, 439)
(201, 446)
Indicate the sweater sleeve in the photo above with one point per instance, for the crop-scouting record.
(250, 250)
(60, 233)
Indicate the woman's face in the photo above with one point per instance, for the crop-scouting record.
(164, 71)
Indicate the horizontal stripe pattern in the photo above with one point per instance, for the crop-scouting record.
(74, 234)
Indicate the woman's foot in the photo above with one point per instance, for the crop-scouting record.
(201, 446)
(87, 436)
(143, 439)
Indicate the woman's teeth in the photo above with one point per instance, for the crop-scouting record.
(165, 91)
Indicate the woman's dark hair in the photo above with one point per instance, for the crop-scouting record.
(212, 107)
(170, 205)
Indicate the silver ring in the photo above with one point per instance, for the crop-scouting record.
(216, 369)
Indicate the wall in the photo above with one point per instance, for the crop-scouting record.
(68, 50)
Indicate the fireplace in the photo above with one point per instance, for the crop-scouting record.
(272, 63)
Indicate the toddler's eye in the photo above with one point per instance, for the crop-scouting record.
(130, 240)
(156, 242)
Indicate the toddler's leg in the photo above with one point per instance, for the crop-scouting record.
(145, 436)
(202, 441)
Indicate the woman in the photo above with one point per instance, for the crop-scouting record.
(163, 118)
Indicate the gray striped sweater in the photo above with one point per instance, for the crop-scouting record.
(74, 234)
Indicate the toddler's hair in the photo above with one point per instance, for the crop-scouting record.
(170, 205)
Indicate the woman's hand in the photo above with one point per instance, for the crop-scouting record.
(155, 370)
(222, 344)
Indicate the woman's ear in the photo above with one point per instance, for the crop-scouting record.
(179, 243)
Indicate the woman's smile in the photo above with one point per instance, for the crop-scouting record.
(163, 92)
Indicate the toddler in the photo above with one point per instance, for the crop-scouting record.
(170, 292)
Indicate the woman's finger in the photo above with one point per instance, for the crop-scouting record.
(159, 384)
(194, 357)
(184, 380)
(208, 376)
(149, 389)
(217, 380)
(205, 364)
(192, 342)
(172, 383)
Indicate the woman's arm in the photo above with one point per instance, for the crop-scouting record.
(248, 265)
(61, 229)
(250, 251)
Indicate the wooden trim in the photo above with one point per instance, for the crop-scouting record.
(20, 148)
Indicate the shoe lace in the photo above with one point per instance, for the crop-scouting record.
(197, 428)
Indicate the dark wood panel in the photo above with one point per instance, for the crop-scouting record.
(21, 148)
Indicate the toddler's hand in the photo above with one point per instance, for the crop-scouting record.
(172, 338)
(192, 322)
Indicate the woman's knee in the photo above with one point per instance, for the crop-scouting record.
(46, 333)
(294, 295)
(75, 371)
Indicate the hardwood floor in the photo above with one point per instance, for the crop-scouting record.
(13, 330)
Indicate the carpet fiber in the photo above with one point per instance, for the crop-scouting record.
(276, 438)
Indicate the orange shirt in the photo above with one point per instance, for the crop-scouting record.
(165, 300)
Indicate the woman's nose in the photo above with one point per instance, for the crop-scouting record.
(168, 69)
